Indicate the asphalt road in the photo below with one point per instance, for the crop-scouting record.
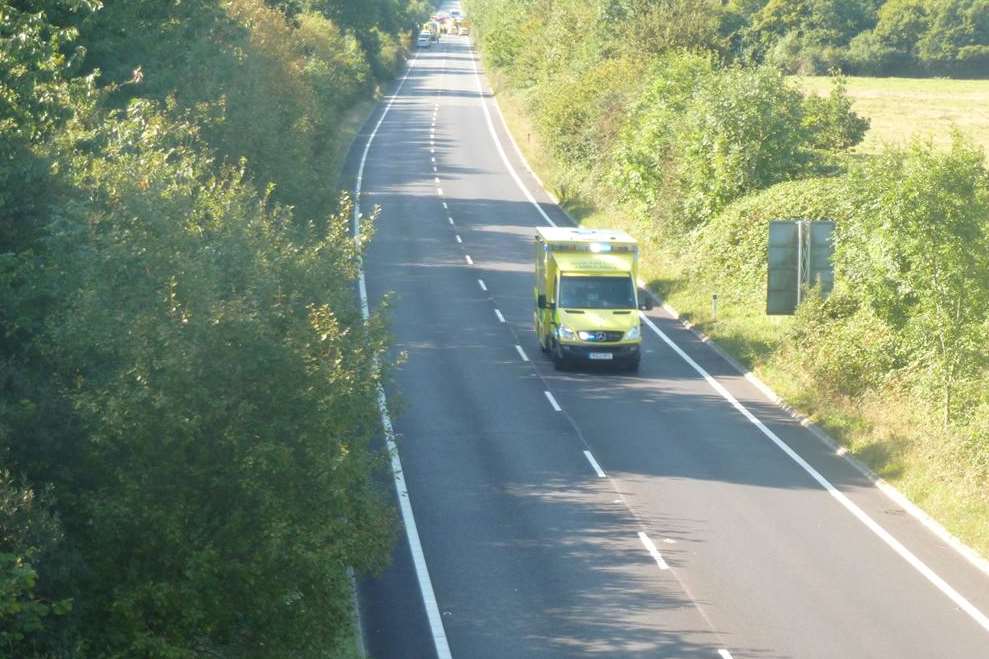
(530, 551)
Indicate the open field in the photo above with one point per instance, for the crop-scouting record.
(902, 107)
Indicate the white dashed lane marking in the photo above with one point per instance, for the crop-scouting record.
(651, 548)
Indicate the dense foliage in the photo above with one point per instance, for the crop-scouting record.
(867, 37)
(187, 389)
(918, 37)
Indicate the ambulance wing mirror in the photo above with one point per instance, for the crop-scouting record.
(645, 300)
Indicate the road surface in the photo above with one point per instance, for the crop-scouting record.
(592, 513)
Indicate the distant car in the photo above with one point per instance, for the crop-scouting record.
(424, 40)
(456, 14)
(464, 31)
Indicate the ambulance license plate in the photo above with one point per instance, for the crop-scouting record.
(600, 355)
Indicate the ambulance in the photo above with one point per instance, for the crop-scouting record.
(587, 302)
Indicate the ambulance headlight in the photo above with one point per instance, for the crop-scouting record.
(565, 333)
(633, 334)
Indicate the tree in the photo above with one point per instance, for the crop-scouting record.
(917, 249)
(958, 37)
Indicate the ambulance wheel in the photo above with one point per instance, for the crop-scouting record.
(545, 345)
(560, 362)
(632, 365)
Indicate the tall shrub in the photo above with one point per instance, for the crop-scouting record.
(917, 250)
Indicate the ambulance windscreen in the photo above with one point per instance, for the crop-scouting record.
(596, 293)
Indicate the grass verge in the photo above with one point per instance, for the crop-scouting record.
(887, 430)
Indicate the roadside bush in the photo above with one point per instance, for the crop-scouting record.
(916, 249)
(187, 389)
(500, 26)
(582, 118)
(830, 121)
(268, 91)
(647, 153)
(29, 534)
(842, 347)
(734, 244)
(742, 132)
(215, 358)
(701, 137)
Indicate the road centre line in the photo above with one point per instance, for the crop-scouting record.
(480, 282)
(436, 179)
(552, 401)
(651, 548)
(499, 148)
(724, 654)
(521, 352)
(469, 260)
(884, 535)
(595, 465)
(450, 220)
(501, 318)
(433, 616)
(445, 207)
(439, 191)
(459, 239)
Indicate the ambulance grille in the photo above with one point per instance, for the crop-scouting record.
(601, 336)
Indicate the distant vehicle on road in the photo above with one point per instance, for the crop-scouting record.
(464, 31)
(587, 307)
(424, 40)
(432, 28)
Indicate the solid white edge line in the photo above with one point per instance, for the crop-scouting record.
(405, 505)
(497, 142)
(521, 352)
(552, 401)
(840, 497)
(651, 548)
(595, 465)
(501, 318)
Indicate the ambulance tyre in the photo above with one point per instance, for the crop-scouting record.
(632, 365)
(560, 362)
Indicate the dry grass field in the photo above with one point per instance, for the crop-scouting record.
(900, 108)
